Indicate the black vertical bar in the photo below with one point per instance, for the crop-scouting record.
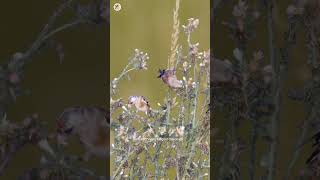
(212, 2)
(108, 81)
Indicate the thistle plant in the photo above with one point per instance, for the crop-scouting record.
(168, 139)
(249, 90)
(305, 14)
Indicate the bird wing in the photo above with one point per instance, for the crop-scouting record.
(174, 82)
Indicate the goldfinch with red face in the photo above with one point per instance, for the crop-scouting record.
(90, 124)
(169, 77)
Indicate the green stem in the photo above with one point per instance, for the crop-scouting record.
(296, 153)
(62, 28)
(125, 72)
(156, 160)
(194, 123)
(306, 124)
(44, 35)
(253, 150)
(121, 164)
(275, 94)
(168, 107)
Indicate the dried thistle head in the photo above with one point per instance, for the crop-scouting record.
(293, 10)
(267, 74)
(191, 26)
(114, 104)
(193, 49)
(310, 9)
(185, 66)
(140, 59)
(255, 64)
(240, 10)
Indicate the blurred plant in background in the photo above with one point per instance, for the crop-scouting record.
(306, 15)
(172, 139)
(55, 162)
(251, 88)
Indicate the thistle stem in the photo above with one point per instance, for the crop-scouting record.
(253, 150)
(275, 94)
(310, 113)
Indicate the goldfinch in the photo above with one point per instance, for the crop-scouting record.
(90, 125)
(140, 103)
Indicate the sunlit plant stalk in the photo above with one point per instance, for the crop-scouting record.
(174, 36)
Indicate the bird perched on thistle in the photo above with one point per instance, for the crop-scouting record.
(90, 124)
(140, 102)
(169, 77)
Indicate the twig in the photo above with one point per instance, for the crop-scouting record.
(61, 28)
(19, 63)
(122, 163)
(12, 149)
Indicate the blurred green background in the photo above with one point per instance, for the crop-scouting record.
(292, 112)
(80, 80)
(147, 25)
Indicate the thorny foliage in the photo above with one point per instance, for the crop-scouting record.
(246, 89)
(55, 163)
(149, 140)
